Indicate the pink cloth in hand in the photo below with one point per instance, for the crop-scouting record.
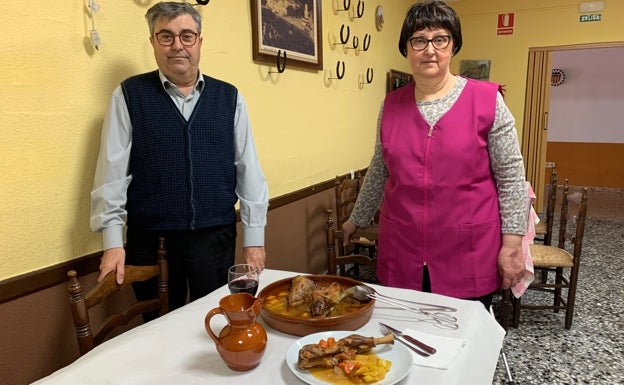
(521, 287)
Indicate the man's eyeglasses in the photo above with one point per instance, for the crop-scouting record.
(166, 38)
(420, 43)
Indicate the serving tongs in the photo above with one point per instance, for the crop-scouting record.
(363, 293)
(435, 314)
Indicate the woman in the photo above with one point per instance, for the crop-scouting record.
(447, 171)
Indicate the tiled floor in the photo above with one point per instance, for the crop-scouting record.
(541, 351)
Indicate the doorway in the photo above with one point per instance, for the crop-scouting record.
(535, 128)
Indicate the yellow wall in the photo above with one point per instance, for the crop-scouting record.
(538, 23)
(55, 88)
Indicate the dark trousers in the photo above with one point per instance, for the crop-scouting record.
(486, 300)
(198, 260)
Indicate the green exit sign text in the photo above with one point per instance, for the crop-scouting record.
(592, 17)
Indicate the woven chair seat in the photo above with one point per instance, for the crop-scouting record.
(365, 242)
(550, 256)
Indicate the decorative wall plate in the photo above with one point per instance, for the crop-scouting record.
(557, 77)
(379, 18)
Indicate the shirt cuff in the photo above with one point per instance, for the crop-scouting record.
(112, 237)
(253, 236)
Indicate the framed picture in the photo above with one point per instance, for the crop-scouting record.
(475, 69)
(398, 79)
(294, 27)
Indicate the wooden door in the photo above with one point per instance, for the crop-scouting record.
(534, 132)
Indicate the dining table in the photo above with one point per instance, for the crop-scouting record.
(176, 349)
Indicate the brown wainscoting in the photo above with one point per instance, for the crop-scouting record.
(34, 281)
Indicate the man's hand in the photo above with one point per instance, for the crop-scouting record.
(113, 260)
(255, 256)
(510, 260)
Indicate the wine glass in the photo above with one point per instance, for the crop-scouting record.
(243, 278)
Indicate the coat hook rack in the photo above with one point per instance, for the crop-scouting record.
(202, 2)
(344, 37)
(340, 70)
(355, 44)
(346, 5)
(358, 11)
(369, 77)
(365, 43)
(280, 61)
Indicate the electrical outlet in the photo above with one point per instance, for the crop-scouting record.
(550, 164)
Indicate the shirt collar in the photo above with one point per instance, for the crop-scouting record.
(199, 85)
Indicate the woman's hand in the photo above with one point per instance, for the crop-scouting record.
(510, 260)
(348, 228)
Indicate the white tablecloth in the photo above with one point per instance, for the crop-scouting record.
(175, 349)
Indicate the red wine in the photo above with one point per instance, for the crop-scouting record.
(244, 286)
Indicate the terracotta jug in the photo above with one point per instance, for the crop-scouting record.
(241, 343)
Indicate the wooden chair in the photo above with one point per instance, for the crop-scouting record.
(557, 259)
(502, 307)
(337, 264)
(543, 230)
(347, 188)
(80, 304)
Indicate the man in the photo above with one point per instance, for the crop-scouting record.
(177, 152)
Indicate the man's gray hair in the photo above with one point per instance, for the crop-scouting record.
(170, 10)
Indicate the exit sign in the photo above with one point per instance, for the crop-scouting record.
(591, 17)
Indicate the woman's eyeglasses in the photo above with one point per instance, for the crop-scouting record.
(420, 43)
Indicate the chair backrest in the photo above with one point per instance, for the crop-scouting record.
(573, 212)
(347, 188)
(80, 304)
(334, 239)
(550, 207)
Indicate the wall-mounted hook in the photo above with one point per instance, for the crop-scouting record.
(202, 2)
(365, 43)
(358, 11)
(344, 36)
(346, 5)
(340, 70)
(369, 77)
(280, 61)
(355, 44)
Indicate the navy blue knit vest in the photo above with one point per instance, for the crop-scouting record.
(183, 173)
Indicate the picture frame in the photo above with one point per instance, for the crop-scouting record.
(294, 29)
(475, 69)
(397, 79)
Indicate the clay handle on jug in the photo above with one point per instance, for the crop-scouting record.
(209, 316)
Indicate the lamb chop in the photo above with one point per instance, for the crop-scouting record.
(315, 356)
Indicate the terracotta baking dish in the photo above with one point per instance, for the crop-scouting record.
(304, 326)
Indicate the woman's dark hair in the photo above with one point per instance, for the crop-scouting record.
(430, 14)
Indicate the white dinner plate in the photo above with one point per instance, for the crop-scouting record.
(398, 354)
